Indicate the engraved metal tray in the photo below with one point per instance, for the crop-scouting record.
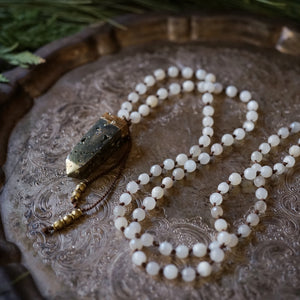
(50, 106)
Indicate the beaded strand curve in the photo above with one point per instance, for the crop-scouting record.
(187, 163)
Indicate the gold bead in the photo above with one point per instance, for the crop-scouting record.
(59, 224)
(76, 194)
(68, 219)
(76, 213)
(81, 187)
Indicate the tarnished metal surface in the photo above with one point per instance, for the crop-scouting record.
(92, 260)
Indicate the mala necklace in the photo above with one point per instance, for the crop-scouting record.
(111, 133)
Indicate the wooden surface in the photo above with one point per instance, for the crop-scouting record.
(92, 260)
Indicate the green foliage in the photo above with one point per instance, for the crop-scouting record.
(3, 79)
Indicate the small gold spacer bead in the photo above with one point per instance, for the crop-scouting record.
(81, 187)
(76, 213)
(59, 224)
(76, 194)
(68, 219)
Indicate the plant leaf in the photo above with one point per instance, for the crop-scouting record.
(3, 79)
(23, 59)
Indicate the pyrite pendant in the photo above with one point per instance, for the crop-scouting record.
(102, 141)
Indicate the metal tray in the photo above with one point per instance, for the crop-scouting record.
(46, 110)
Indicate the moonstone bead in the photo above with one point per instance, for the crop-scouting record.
(233, 240)
(265, 148)
(127, 106)
(220, 225)
(261, 206)
(204, 158)
(239, 134)
(157, 192)
(132, 187)
(187, 72)
(216, 212)
(121, 222)
(210, 77)
(125, 198)
(170, 272)
(199, 250)
(133, 97)
(182, 251)
(135, 117)
(119, 211)
(244, 230)
(195, 150)
(248, 126)
(169, 164)
(295, 127)
(252, 105)
(159, 74)
(152, 101)
(204, 269)
(261, 193)
(231, 91)
(135, 226)
(256, 167)
(141, 88)
(165, 248)
(227, 139)
(217, 255)
(252, 116)
(283, 132)
(188, 274)
(201, 87)
(149, 80)
(208, 110)
(213, 245)
(209, 86)
(178, 174)
(135, 244)
(250, 173)
(147, 239)
(156, 170)
(144, 178)
(122, 113)
(162, 93)
(252, 219)
(216, 149)
(208, 131)
(290, 161)
(207, 98)
(173, 71)
(235, 178)
(200, 74)
(279, 168)
(245, 96)
(152, 268)
(223, 187)
(149, 203)
(216, 198)
(207, 121)
(218, 88)
(139, 214)
(138, 258)
(223, 238)
(190, 166)
(144, 110)
(181, 159)
(266, 171)
(259, 181)
(168, 182)
(174, 88)
(256, 156)
(129, 233)
(294, 151)
(274, 140)
(188, 86)
(204, 140)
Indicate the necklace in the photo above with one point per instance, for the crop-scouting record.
(111, 133)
